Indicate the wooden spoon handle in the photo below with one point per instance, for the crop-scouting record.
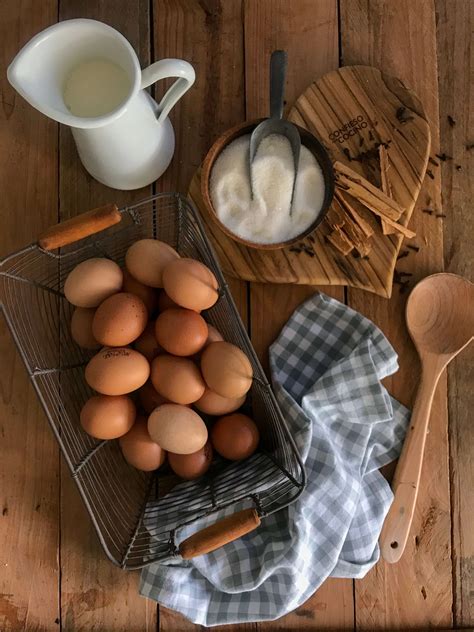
(406, 481)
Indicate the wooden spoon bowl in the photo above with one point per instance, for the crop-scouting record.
(440, 319)
(307, 139)
(439, 314)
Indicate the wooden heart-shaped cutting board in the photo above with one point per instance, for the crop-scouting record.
(351, 110)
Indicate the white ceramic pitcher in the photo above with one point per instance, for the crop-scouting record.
(128, 147)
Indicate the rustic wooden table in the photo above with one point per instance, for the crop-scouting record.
(53, 574)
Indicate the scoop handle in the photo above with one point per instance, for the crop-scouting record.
(222, 532)
(278, 64)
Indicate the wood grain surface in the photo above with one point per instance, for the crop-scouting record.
(372, 100)
(29, 455)
(209, 35)
(455, 70)
(53, 573)
(96, 595)
(310, 38)
(417, 591)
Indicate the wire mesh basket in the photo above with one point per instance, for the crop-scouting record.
(136, 515)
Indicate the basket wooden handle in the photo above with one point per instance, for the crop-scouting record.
(220, 533)
(77, 228)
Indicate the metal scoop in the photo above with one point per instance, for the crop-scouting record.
(275, 124)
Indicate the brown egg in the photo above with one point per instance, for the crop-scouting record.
(81, 328)
(235, 436)
(191, 466)
(139, 449)
(213, 335)
(147, 344)
(148, 294)
(177, 429)
(117, 371)
(181, 331)
(164, 302)
(226, 369)
(213, 404)
(146, 259)
(149, 398)
(92, 281)
(119, 320)
(177, 379)
(190, 284)
(106, 417)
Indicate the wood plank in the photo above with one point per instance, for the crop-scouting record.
(455, 67)
(308, 32)
(29, 486)
(209, 35)
(417, 591)
(95, 594)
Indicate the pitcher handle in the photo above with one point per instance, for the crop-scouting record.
(169, 68)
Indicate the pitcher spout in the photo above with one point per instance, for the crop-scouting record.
(40, 70)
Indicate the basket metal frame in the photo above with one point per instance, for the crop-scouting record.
(295, 481)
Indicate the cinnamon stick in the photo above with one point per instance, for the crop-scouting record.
(406, 232)
(339, 240)
(385, 181)
(355, 215)
(352, 231)
(335, 217)
(360, 188)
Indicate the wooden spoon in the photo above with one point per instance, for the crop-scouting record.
(440, 319)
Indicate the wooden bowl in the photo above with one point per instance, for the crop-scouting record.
(308, 140)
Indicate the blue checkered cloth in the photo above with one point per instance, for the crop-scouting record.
(327, 366)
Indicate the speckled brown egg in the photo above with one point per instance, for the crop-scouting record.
(148, 294)
(226, 369)
(81, 328)
(181, 332)
(117, 371)
(146, 260)
(92, 281)
(235, 436)
(191, 466)
(177, 379)
(119, 320)
(214, 404)
(177, 429)
(149, 397)
(190, 284)
(147, 343)
(108, 417)
(139, 449)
